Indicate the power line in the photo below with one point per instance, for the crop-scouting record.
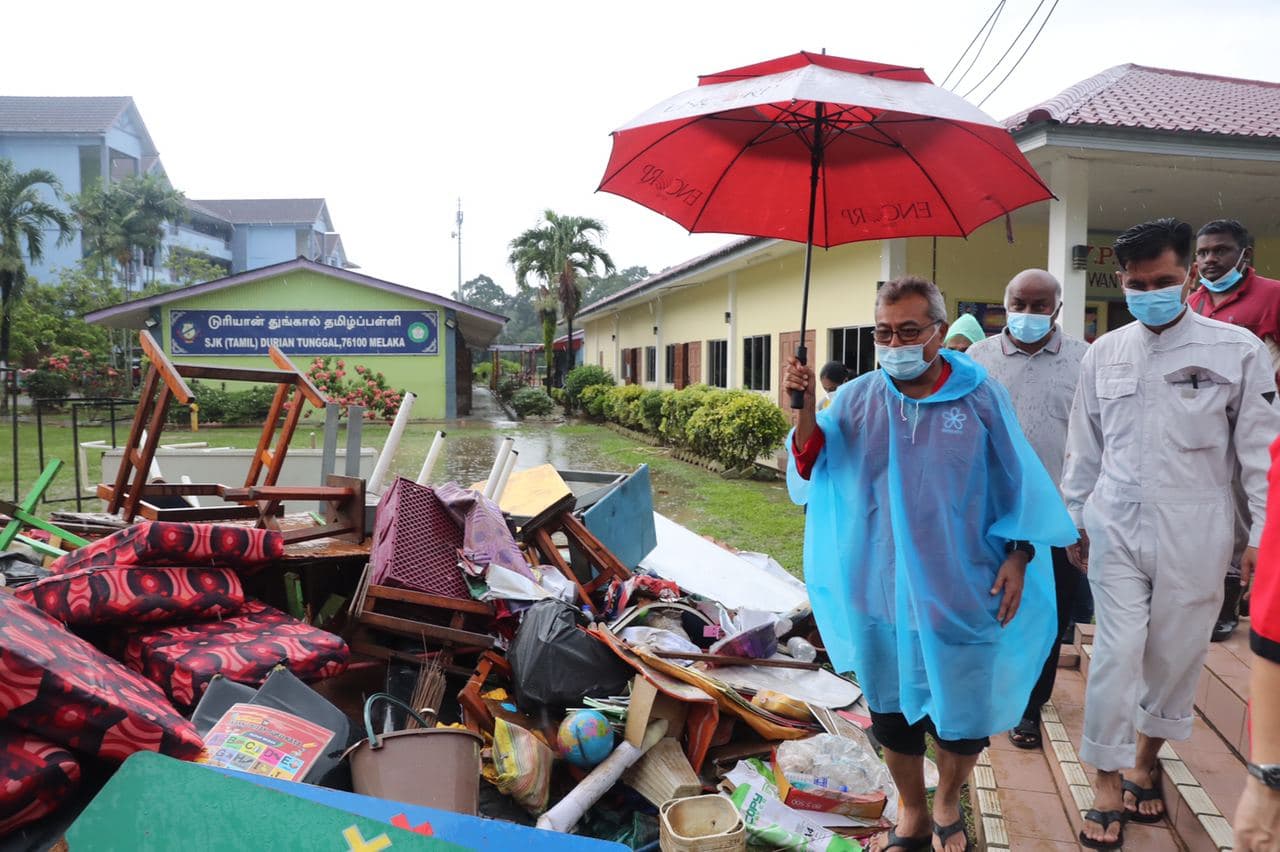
(1024, 53)
(1009, 50)
(981, 47)
(974, 41)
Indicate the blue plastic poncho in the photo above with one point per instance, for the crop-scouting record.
(910, 505)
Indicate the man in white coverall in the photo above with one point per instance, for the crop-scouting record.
(1166, 410)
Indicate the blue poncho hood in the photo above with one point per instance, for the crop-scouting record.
(910, 506)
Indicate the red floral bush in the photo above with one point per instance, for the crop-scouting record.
(366, 388)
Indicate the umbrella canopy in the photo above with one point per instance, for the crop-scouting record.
(893, 155)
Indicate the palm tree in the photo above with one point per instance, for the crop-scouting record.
(126, 219)
(24, 219)
(558, 251)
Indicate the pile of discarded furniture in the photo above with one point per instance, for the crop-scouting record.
(537, 658)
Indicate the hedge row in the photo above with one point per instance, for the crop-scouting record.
(734, 427)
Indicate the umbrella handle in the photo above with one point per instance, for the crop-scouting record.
(797, 397)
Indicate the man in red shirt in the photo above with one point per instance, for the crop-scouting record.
(1257, 824)
(1232, 291)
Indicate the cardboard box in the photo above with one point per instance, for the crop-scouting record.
(868, 807)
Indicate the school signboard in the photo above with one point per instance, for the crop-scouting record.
(294, 332)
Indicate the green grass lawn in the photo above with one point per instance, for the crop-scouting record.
(748, 515)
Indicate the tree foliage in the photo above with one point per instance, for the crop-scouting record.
(25, 217)
(558, 251)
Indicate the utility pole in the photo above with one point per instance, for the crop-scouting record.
(457, 234)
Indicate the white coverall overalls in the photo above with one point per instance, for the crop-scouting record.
(1160, 427)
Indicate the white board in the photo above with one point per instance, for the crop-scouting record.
(709, 570)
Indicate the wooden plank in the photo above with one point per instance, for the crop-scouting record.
(310, 391)
(531, 492)
(234, 374)
(549, 551)
(418, 630)
(164, 367)
(409, 596)
(723, 660)
(129, 459)
(268, 431)
(199, 514)
(285, 492)
(147, 452)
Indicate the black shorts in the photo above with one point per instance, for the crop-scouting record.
(897, 734)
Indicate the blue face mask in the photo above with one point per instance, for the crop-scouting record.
(1029, 328)
(905, 362)
(1155, 308)
(1227, 281)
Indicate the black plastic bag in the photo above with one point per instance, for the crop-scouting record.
(556, 664)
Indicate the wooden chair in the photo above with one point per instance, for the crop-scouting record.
(164, 383)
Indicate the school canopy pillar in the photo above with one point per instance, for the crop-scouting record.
(1068, 227)
(893, 259)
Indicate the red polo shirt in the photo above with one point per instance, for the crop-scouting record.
(807, 456)
(1264, 600)
(1254, 304)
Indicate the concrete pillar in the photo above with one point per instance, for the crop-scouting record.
(661, 361)
(617, 349)
(1069, 226)
(893, 259)
(731, 374)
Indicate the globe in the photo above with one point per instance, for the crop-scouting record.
(585, 738)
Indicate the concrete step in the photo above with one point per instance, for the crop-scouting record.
(1204, 776)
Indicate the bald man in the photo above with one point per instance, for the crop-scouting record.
(1039, 364)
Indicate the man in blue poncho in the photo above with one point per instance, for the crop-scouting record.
(940, 599)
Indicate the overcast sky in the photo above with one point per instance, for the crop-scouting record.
(392, 110)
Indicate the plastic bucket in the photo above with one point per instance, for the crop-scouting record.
(432, 767)
(701, 824)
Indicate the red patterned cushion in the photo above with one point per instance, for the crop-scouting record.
(35, 777)
(182, 659)
(56, 685)
(170, 543)
(123, 594)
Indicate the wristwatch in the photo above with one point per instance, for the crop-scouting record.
(1024, 546)
(1267, 773)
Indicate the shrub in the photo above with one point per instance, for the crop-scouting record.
(678, 407)
(749, 426)
(368, 388)
(560, 397)
(507, 388)
(650, 410)
(617, 405)
(581, 378)
(593, 399)
(47, 383)
(535, 401)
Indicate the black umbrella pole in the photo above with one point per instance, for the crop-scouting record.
(802, 351)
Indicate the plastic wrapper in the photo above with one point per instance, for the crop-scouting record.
(771, 824)
(523, 764)
(834, 763)
(659, 639)
(555, 663)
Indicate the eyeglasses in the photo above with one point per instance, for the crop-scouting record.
(906, 333)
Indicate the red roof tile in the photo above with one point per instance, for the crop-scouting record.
(1142, 98)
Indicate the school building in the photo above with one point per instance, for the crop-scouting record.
(1130, 144)
(419, 341)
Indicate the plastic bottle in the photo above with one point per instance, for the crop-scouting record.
(801, 650)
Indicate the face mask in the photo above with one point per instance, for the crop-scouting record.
(1226, 282)
(1155, 308)
(1029, 328)
(904, 362)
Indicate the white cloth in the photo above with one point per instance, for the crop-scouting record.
(1042, 386)
(1160, 429)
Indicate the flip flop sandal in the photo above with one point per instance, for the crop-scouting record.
(907, 844)
(942, 832)
(1145, 794)
(1105, 819)
(1026, 735)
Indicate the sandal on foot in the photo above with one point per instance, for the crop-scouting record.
(907, 844)
(1026, 735)
(942, 832)
(1145, 794)
(1105, 819)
